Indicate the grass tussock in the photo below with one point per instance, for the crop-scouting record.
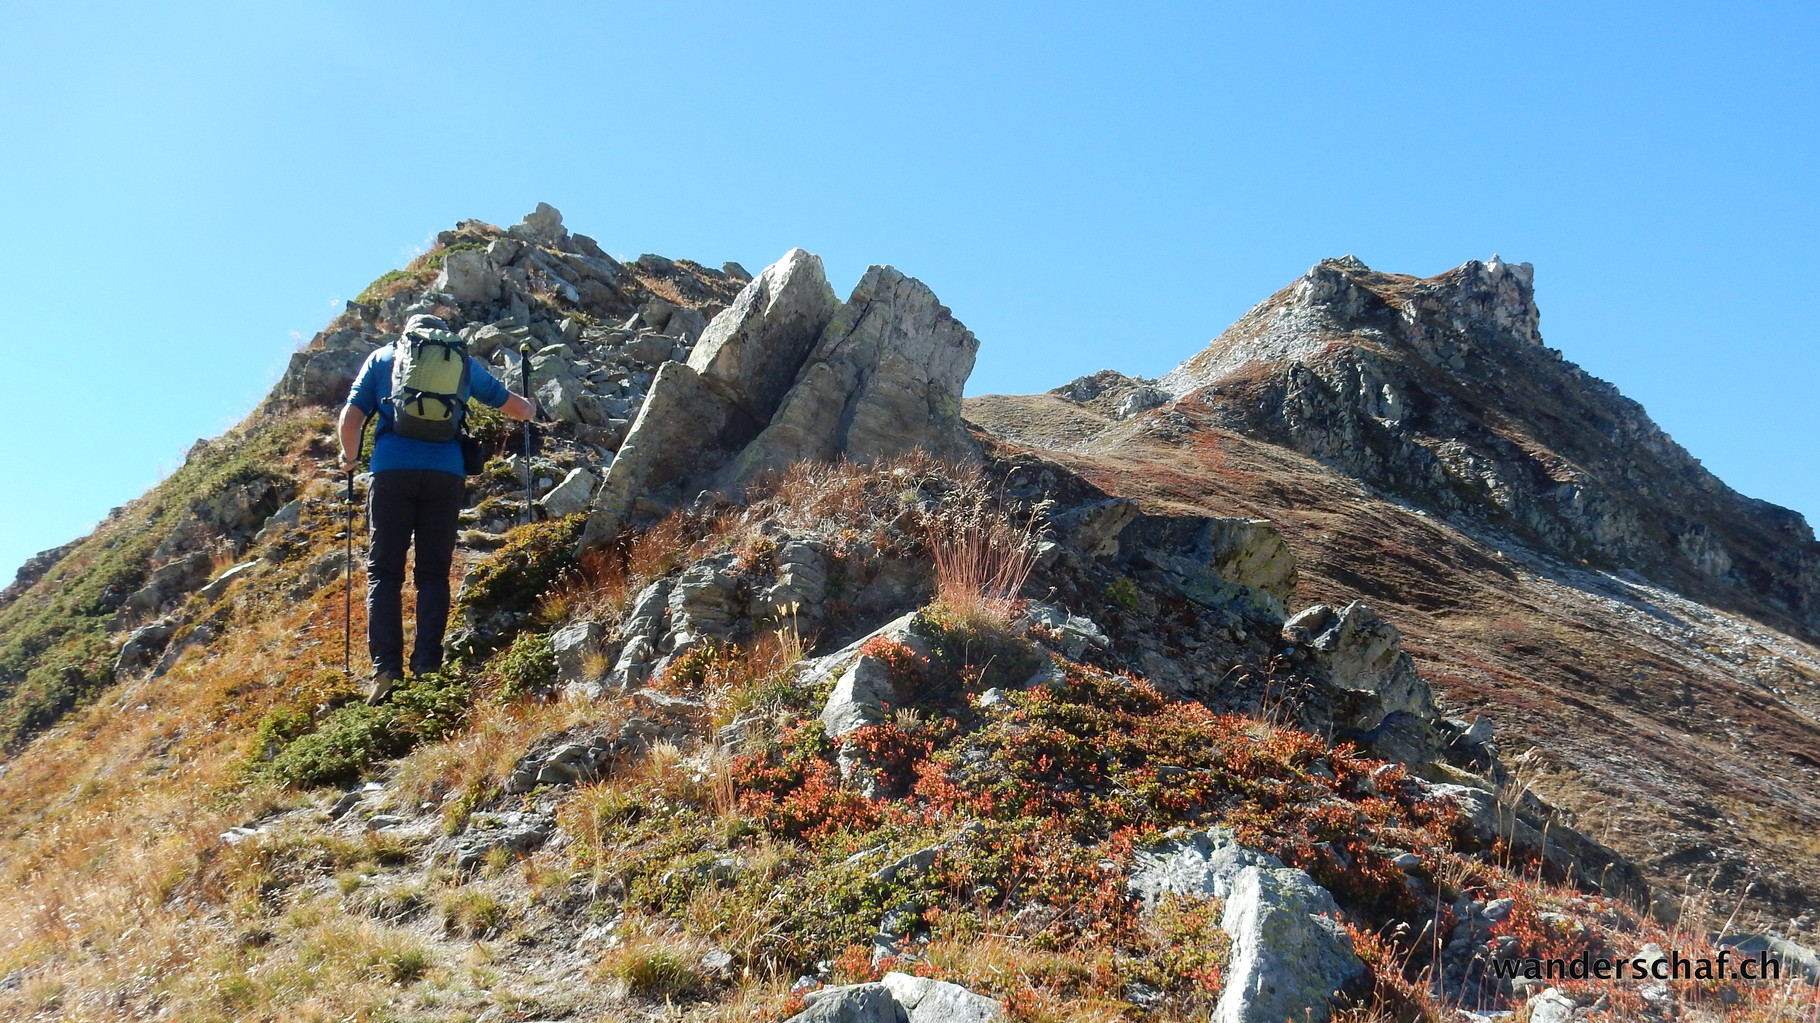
(982, 553)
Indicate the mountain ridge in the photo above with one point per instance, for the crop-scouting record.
(750, 688)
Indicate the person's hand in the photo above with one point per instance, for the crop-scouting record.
(349, 463)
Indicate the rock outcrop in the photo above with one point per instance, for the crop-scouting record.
(1439, 390)
(899, 998)
(1290, 957)
(884, 379)
(752, 353)
(786, 374)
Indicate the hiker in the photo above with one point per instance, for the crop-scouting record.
(419, 483)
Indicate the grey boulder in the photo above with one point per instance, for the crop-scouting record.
(1360, 652)
(934, 1001)
(1290, 957)
(1200, 864)
(853, 1003)
(571, 495)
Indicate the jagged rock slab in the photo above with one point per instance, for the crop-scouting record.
(865, 687)
(754, 349)
(682, 417)
(1289, 953)
(934, 1001)
(899, 998)
(884, 379)
(1358, 651)
(853, 1003)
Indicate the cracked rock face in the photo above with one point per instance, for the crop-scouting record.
(786, 374)
(885, 378)
(753, 351)
(1360, 652)
(1289, 954)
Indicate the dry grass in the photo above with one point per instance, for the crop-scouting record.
(983, 554)
(656, 960)
(496, 736)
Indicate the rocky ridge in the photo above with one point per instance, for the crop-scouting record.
(1440, 391)
(742, 461)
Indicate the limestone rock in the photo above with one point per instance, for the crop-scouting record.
(470, 277)
(934, 1001)
(282, 519)
(645, 624)
(1200, 863)
(1094, 529)
(542, 226)
(853, 1003)
(144, 644)
(571, 645)
(1529, 831)
(321, 377)
(1361, 652)
(1142, 398)
(899, 998)
(1289, 956)
(514, 831)
(682, 416)
(753, 350)
(865, 682)
(859, 697)
(702, 602)
(556, 387)
(884, 379)
(802, 583)
(1251, 552)
(1551, 1006)
(1798, 961)
(218, 585)
(571, 495)
(1075, 632)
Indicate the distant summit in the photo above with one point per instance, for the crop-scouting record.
(1439, 390)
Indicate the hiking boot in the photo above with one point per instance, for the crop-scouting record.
(381, 687)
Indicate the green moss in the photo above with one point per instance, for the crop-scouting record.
(277, 729)
(504, 588)
(348, 741)
(1123, 593)
(392, 282)
(353, 738)
(526, 667)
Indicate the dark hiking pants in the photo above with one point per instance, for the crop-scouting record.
(406, 506)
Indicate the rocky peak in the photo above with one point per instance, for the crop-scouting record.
(1439, 390)
(1483, 303)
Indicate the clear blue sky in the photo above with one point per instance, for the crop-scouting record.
(192, 189)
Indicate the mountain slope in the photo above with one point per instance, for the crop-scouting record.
(1556, 562)
(756, 710)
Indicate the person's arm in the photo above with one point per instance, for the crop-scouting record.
(518, 407)
(353, 424)
(490, 391)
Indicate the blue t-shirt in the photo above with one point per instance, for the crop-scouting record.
(390, 451)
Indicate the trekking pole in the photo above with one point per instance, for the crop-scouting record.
(524, 385)
(347, 599)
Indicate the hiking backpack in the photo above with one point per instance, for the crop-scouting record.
(429, 384)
